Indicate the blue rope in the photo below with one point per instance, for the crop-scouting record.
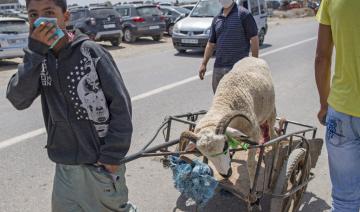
(194, 180)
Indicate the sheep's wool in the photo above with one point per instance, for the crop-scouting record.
(194, 180)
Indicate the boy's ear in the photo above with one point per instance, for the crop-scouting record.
(66, 17)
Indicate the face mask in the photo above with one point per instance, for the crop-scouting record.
(226, 3)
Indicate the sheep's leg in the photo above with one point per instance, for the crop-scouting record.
(271, 121)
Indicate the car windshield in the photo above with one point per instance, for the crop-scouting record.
(13, 26)
(77, 15)
(206, 8)
(182, 10)
(148, 11)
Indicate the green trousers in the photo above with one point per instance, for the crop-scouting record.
(87, 188)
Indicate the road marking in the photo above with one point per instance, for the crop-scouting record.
(167, 87)
(288, 46)
(32, 134)
(21, 138)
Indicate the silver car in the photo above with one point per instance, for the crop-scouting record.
(193, 31)
(14, 33)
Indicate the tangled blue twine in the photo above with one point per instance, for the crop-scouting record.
(194, 180)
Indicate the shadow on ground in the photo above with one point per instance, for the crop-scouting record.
(200, 54)
(146, 41)
(110, 47)
(265, 46)
(190, 53)
(222, 201)
(6, 65)
(311, 203)
(226, 202)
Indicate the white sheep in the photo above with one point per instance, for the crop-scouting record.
(246, 92)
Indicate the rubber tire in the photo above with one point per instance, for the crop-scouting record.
(261, 37)
(170, 30)
(128, 36)
(157, 37)
(116, 42)
(297, 156)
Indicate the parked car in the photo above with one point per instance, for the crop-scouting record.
(171, 15)
(193, 31)
(273, 4)
(14, 33)
(164, 4)
(188, 6)
(23, 16)
(141, 21)
(314, 6)
(99, 23)
(294, 4)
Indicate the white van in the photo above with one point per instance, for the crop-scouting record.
(192, 32)
(14, 33)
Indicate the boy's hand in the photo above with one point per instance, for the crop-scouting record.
(110, 168)
(44, 33)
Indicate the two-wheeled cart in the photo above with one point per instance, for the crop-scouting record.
(283, 168)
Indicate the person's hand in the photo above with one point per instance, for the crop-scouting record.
(322, 115)
(110, 168)
(44, 33)
(202, 71)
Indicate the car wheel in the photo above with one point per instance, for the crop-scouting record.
(181, 51)
(157, 37)
(128, 36)
(261, 37)
(170, 30)
(116, 42)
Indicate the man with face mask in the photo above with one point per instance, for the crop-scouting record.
(233, 32)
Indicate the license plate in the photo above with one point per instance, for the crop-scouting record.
(191, 41)
(16, 41)
(109, 26)
(154, 27)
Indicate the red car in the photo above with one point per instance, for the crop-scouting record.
(294, 4)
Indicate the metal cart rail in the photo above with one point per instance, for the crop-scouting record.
(286, 176)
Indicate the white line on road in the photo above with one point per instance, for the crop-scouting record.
(32, 134)
(22, 138)
(288, 46)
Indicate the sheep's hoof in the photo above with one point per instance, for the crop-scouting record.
(228, 174)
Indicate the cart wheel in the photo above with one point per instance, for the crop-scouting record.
(293, 173)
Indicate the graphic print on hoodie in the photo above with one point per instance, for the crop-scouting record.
(88, 99)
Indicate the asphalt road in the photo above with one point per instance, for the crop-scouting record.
(162, 82)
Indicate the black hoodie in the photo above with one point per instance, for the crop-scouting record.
(85, 104)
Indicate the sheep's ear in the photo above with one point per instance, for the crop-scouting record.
(237, 134)
(234, 132)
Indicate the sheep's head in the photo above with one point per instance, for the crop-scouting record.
(215, 148)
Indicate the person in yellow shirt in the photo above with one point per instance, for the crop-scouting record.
(340, 98)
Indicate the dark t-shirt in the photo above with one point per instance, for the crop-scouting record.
(232, 36)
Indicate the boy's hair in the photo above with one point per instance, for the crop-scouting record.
(60, 3)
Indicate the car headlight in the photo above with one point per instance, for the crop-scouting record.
(207, 32)
(176, 29)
